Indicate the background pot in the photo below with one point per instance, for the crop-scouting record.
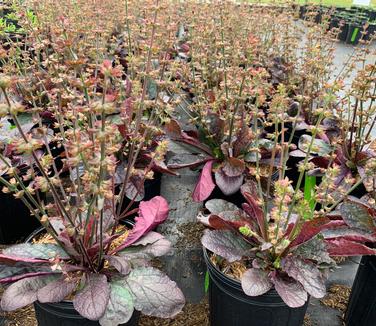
(152, 188)
(16, 223)
(64, 314)
(361, 310)
(230, 306)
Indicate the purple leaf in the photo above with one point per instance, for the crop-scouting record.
(205, 184)
(56, 291)
(255, 282)
(173, 129)
(21, 270)
(306, 273)
(254, 211)
(343, 247)
(228, 185)
(217, 206)
(348, 233)
(135, 188)
(152, 244)
(226, 244)
(314, 249)
(310, 229)
(319, 146)
(122, 264)
(152, 213)
(92, 300)
(154, 293)
(291, 292)
(233, 167)
(357, 216)
(23, 292)
(120, 305)
(36, 251)
(298, 153)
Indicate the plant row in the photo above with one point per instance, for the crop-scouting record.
(281, 139)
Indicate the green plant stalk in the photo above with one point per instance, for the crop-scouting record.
(132, 157)
(302, 172)
(235, 111)
(309, 189)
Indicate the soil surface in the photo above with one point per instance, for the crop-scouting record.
(191, 235)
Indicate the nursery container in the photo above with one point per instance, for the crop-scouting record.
(370, 31)
(230, 306)
(152, 188)
(344, 31)
(361, 310)
(16, 223)
(63, 314)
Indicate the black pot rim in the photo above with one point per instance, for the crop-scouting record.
(231, 281)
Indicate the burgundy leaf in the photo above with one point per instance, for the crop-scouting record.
(68, 243)
(205, 184)
(314, 249)
(23, 292)
(298, 153)
(173, 129)
(358, 216)
(226, 244)
(254, 210)
(228, 185)
(161, 167)
(306, 273)
(92, 300)
(250, 187)
(343, 247)
(255, 282)
(217, 206)
(134, 189)
(56, 291)
(233, 167)
(149, 246)
(309, 229)
(226, 221)
(14, 261)
(122, 264)
(349, 234)
(321, 162)
(291, 291)
(152, 213)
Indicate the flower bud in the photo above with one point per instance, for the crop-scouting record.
(5, 81)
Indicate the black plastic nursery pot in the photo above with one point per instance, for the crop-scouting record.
(230, 306)
(344, 31)
(370, 31)
(64, 314)
(152, 188)
(16, 223)
(361, 310)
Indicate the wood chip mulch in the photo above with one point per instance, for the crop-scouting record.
(337, 297)
(20, 317)
(192, 315)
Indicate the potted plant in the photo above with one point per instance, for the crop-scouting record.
(88, 267)
(267, 266)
